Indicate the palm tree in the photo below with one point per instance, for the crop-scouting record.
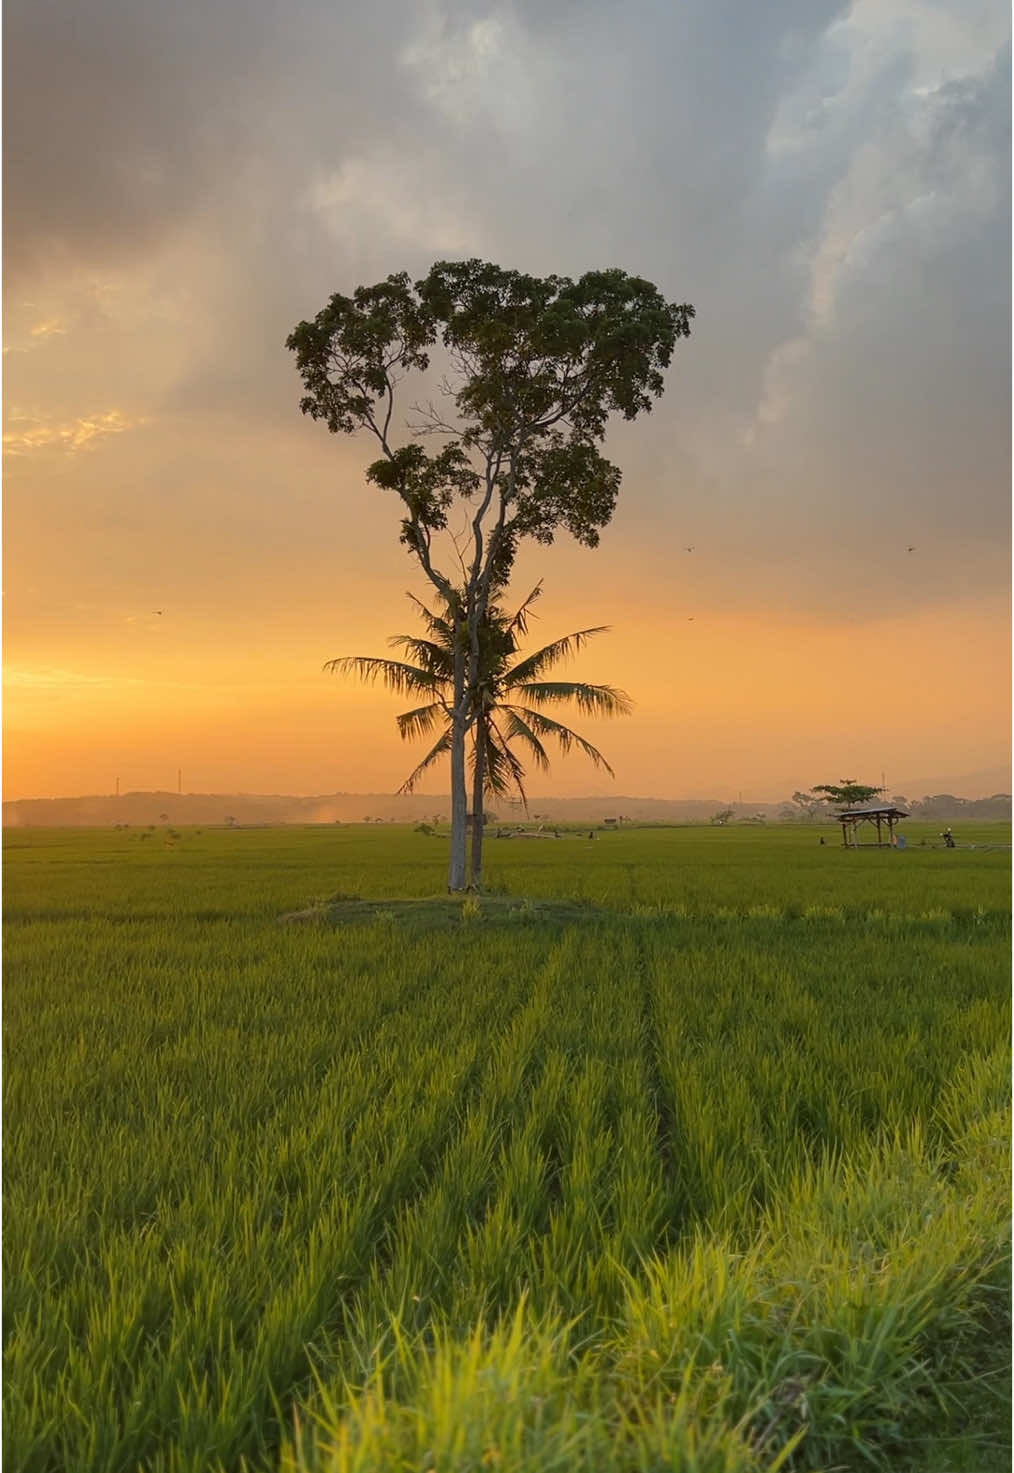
(505, 709)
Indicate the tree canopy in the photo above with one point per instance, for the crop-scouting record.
(846, 793)
(539, 365)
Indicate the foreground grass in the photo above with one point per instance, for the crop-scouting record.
(806, 1346)
(683, 1149)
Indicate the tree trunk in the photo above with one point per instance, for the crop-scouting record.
(459, 805)
(459, 790)
(478, 816)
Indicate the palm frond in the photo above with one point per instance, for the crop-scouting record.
(518, 624)
(396, 675)
(563, 734)
(550, 655)
(507, 762)
(591, 700)
(497, 777)
(431, 655)
(422, 720)
(516, 726)
(438, 625)
(435, 752)
(429, 669)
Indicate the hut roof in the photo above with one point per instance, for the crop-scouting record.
(886, 810)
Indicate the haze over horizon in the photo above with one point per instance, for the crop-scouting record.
(827, 183)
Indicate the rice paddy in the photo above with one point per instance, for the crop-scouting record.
(681, 1149)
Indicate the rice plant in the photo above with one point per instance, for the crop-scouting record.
(687, 1149)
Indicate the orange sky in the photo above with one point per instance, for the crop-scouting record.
(811, 191)
(733, 693)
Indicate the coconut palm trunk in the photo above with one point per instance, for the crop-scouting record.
(459, 788)
(478, 804)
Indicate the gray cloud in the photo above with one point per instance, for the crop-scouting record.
(829, 184)
(124, 121)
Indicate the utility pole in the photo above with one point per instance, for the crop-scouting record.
(179, 779)
(117, 787)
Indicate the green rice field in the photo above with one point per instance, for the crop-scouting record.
(681, 1149)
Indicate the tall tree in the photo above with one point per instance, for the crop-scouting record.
(535, 367)
(506, 701)
(847, 793)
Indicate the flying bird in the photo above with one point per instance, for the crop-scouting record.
(688, 549)
(158, 611)
(910, 549)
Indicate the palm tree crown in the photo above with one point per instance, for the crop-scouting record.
(506, 705)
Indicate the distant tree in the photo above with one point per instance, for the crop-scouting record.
(230, 819)
(900, 801)
(723, 816)
(537, 367)
(847, 793)
(811, 805)
(943, 805)
(163, 818)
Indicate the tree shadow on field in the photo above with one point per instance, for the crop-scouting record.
(446, 913)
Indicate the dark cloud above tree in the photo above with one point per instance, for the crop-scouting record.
(125, 119)
(828, 183)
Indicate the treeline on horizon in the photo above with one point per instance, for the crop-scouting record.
(142, 808)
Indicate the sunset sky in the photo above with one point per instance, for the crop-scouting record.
(828, 184)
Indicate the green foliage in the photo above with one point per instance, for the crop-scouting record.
(710, 1173)
(346, 354)
(846, 793)
(540, 365)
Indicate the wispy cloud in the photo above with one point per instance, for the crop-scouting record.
(52, 327)
(39, 334)
(29, 433)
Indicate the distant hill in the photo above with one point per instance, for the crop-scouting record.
(102, 811)
(210, 809)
